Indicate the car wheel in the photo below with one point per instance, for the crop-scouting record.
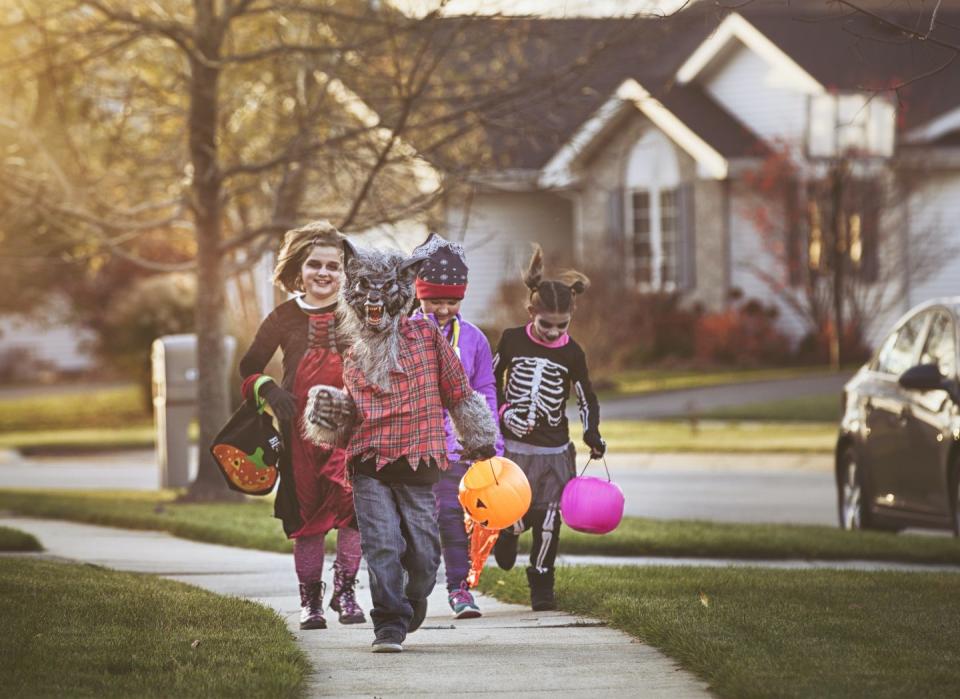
(851, 498)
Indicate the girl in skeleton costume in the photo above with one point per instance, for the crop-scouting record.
(314, 495)
(441, 285)
(535, 367)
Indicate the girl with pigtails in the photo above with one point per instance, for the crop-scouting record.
(535, 366)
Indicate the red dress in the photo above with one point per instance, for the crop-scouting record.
(323, 490)
(314, 495)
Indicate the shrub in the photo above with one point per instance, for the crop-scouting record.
(744, 334)
(617, 327)
(153, 306)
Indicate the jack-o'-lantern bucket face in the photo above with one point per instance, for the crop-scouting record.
(495, 492)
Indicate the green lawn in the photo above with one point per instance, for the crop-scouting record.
(95, 420)
(251, 525)
(691, 538)
(16, 540)
(822, 408)
(709, 436)
(104, 408)
(80, 630)
(754, 633)
(633, 382)
(91, 439)
(247, 524)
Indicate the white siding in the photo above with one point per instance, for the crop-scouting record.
(58, 347)
(497, 239)
(752, 251)
(763, 97)
(935, 222)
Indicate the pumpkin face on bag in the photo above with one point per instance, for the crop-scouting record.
(247, 471)
(495, 492)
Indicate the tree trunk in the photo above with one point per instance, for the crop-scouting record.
(213, 403)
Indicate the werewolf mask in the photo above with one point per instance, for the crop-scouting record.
(378, 286)
(377, 291)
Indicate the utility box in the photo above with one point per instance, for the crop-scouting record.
(174, 360)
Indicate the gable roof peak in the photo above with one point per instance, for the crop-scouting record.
(735, 27)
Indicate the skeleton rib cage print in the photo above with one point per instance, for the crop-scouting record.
(535, 393)
(533, 384)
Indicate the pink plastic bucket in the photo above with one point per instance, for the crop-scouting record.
(592, 505)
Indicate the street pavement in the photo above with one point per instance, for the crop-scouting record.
(510, 651)
(779, 488)
(696, 401)
(774, 488)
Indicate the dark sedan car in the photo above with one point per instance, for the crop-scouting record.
(898, 451)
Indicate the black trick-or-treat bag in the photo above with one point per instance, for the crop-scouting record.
(248, 447)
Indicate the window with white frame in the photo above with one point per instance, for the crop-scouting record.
(652, 216)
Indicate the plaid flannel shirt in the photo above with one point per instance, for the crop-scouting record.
(407, 420)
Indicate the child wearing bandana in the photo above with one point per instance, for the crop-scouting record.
(441, 286)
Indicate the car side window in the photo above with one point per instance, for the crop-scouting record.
(940, 348)
(896, 355)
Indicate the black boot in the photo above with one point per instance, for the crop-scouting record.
(541, 590)
(344, 600)
(311, 606)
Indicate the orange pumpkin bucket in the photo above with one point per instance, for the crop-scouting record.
(495, 492)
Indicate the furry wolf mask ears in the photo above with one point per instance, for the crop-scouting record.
(378, 285)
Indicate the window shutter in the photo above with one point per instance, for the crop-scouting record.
(616, 231)
(686, 239)
(615, 223)
(869, 233)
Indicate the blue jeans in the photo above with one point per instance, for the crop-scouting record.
(453, 535)
(401, 545)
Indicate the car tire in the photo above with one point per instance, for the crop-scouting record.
(851, 496)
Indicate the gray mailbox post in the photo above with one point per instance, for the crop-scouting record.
(174, 359)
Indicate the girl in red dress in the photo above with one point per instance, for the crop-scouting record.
(314, 495)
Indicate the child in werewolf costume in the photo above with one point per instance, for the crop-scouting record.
(399, 375)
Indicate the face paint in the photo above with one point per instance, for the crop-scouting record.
(322, 273)
(549, 327)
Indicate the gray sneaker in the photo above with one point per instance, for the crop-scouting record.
(387, 643)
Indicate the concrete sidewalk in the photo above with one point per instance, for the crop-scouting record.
(509, 651)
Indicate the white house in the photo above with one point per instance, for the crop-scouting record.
(650, 158)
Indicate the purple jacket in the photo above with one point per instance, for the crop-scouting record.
(474, 352)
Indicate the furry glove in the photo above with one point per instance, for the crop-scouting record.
(482, 453)
(329, 416)
(281, 401)
(477, 429)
